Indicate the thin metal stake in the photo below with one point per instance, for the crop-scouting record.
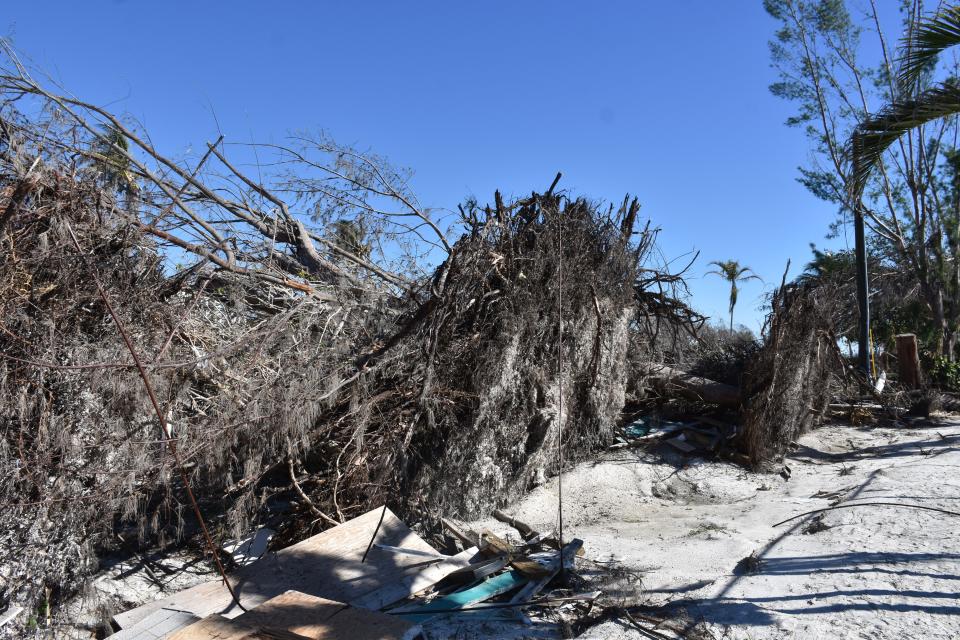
(560, 391)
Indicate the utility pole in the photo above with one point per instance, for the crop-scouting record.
(863, 294)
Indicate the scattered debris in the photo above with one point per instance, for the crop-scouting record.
(322, 588)
(816, 525)
(251, 548)
(749, 564)
(695, 435)
(12, 612)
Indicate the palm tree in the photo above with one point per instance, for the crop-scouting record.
(828, 265)
(919, 53)
(913, 106)
(732, 272)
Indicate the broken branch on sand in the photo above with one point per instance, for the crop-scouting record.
(869, 504)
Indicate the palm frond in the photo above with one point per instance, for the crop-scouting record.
(875, 135)
(928, 39)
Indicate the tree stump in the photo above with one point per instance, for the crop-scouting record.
(909, 360)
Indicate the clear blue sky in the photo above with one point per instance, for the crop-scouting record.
(666, 100)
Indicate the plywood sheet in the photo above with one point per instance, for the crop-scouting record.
(414, 582)
(218, 628)
(326, 565)
(157, 625)
(322, 619)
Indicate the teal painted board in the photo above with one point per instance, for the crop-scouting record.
(487, 589)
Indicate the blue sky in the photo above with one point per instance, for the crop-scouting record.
(667, 101)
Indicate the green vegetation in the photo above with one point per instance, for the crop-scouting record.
(732, 272)
(898, 167)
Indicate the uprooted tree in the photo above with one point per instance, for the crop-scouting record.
(307, 359)
(314, 341)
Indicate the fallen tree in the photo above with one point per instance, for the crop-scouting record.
(788, 385)
(669, 381)
(309, 362)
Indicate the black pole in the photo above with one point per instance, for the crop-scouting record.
(863, 298)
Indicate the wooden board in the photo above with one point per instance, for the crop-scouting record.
(218, 628)
(552, 568)
(319, 618)
(415, 582)
(326, 565)
(158, 624)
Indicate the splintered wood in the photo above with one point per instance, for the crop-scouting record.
(327, 565)
(319, 589)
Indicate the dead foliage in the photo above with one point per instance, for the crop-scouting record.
(309, 361)
(788, 384)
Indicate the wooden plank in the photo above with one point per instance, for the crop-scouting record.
(158, 624)
(494, 545)
(487, 589)
(466, 536)
(551, 569)
(412, 552)
(218, 628)
(489, 567)
(322, 619)
(326, 565)
(415, 582)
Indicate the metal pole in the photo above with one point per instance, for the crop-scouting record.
(863, 297)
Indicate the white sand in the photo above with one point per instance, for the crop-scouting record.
(874, 573)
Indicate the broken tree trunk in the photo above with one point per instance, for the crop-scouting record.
(668, 381)
(909, 360)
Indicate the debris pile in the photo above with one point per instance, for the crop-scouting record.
(772, 390)
(302, 362)
(700, 435)
(373, 573)
(302, 377)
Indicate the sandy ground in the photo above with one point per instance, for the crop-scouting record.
(672, 533)
(684, 527)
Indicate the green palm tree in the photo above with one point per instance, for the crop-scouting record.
(919, 52)
(828, 265)
(912, 108)
(732, 272)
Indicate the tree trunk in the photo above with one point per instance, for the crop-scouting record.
(909, 360)
(670, 381)
(943, 324)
